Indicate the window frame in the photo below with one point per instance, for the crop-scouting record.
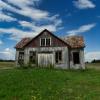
(74, 56)
(58, 57)
(49, 41)
(45, 44)
(32, 57)
(41, 42)
(21, 57)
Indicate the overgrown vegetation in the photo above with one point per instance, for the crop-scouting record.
(45, 84)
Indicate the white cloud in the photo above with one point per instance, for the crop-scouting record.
(17, 34)
(21, 3)
(84, 4)
(4, 17)
(25, 9)
(89, 56)
(7, 54)
(1, 42)
(36, 15)
(81, 29)
(26, 24)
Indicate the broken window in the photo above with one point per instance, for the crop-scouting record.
(42, 42)
(48, 42)
(21, 58)
(58, 57)
(76, 58)
(45, 41)
(32, 57)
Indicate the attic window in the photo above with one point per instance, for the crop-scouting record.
(48, 41)
(45, 41)
(42, 42)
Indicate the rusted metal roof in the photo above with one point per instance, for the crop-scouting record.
(75, 41)
(22, 43)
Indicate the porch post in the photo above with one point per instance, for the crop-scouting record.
(16, 57)
(82, 59)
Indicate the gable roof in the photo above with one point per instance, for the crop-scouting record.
(71, 42)
(75, 41)
(25, 41)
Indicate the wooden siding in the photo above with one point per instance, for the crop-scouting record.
(55, 42)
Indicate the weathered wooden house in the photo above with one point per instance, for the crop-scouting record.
(48, 49)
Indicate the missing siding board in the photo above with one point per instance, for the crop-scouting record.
(76, 58)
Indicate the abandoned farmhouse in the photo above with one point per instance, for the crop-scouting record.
(48, 49)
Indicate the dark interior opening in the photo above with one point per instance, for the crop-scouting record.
(43, 42)
(76, 58)
(21, 58)
(58, 56)
(32, 58)
(47, 42)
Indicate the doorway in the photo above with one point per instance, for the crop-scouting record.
(45, 59)
(76, 58)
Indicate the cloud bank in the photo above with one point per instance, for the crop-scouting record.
(81, 29)
(89, 56)
(84, 4)
(27, 8)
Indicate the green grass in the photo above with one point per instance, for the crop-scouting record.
(49, 84)
(93, 65)
(7, 65)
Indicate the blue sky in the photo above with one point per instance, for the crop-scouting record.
(26, 18)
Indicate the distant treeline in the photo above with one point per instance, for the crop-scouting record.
(1, 60)
(95, 61)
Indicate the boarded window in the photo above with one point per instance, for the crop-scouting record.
(58, 57)
(21, 58)
(76, 58)
(32, 57)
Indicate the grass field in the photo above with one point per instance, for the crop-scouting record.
(7, 65)
(49, 84)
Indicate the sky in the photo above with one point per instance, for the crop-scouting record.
(27, 18)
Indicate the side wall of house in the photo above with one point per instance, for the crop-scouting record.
(81, 65)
